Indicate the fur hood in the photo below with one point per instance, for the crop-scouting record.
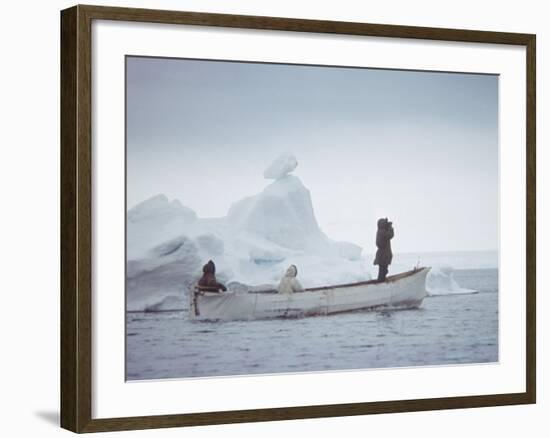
(292, 271)
(289, 283)
(209, 268)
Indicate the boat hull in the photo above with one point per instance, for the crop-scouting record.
(402, 291)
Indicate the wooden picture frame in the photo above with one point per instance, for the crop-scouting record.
(76, 218)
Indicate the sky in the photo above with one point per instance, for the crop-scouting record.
(420, 148)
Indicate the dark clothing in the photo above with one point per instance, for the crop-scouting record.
(383, 254)
(208, 278)
(382, 272)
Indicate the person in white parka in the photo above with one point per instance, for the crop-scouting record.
(289, 283)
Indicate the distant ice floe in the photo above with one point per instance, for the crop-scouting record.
(440, 281)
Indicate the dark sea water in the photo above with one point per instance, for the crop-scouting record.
(446, 329)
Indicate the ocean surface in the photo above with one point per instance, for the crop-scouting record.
(446, 329)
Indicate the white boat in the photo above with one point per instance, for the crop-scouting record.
(405, 290)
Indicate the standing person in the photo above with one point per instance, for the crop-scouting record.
(383, 254)
(289, 283)
(208, 278)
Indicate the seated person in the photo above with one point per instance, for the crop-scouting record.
(208, 279)
(289, 284)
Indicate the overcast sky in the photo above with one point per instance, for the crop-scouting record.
(418, 147)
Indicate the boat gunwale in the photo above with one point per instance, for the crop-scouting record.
(390, 279)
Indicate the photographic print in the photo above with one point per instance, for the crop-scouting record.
(285, 218)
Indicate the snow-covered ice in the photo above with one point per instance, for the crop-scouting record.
(281, 167)
(154, 221)
(441, 282)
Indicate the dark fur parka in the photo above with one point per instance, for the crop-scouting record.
(208, 278)
(383, 236)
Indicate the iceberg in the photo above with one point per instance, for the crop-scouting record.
(154, 221)
(252, 245)
(158, 208)
(281, 167)
(159, 280)
(282, 213)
